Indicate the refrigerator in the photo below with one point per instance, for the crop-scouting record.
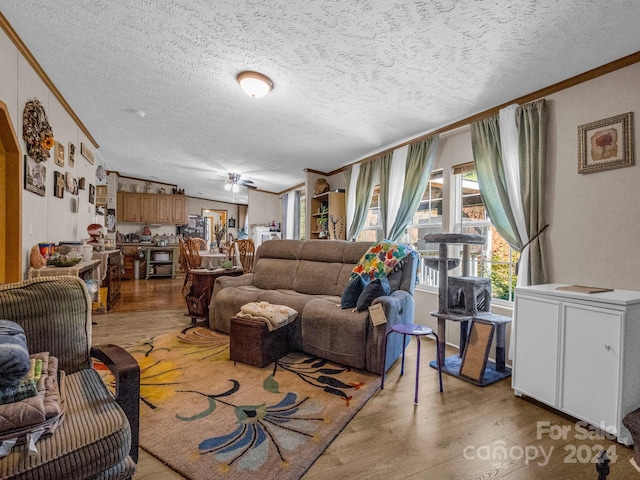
(195, 227)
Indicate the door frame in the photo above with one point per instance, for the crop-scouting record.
(11, 201)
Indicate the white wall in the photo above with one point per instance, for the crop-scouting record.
(264, 208)
(48, 218)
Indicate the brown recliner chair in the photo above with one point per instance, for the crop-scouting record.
(98, 437)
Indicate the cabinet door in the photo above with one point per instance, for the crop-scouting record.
(591, 368)
(179, 210)
(164, 206)
(128, 207)
(535, 367)
(148, 208)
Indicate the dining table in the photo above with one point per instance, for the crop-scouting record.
(210, 260)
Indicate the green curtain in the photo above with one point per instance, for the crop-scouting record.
(385, 171)
(487, 155)
(531, 120)
(420, 160)
(364, 189)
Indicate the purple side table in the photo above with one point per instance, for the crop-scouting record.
(415, 331)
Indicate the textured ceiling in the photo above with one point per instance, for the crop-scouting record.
(351, 77)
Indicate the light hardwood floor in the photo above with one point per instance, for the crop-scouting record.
(467, 432)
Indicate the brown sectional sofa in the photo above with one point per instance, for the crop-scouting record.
(310, 276)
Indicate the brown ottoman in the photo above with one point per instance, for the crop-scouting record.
(252, 343)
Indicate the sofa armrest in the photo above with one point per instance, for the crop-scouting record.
(227, 281)
(126, 371)
(398, 307)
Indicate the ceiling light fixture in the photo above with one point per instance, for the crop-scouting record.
(233, 184)
(254, 84)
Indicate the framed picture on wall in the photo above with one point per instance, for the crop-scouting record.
(58, 184)
(35, 176)
(86, 153)
(232, 222)
(92, 194)
(606, 144)
(72, 154)
(58, 156)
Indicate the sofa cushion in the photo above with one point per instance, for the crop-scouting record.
(292, 299)
(351, 292)
(354, 251)
(275, 273)
(93, 437)
(323, 251)
(287, 249)
(317, 278)
(335, 334)
(375, 289)
(228, 302)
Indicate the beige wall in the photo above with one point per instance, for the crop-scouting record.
(594, 233)
(48, 218)
(263, 208)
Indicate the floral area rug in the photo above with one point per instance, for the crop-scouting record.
(207, 418)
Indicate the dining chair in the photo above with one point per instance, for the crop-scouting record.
(189, 259)
(200, 243)
(246, 250)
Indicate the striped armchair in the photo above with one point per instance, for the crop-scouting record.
(98, 438)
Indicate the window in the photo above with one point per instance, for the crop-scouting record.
(496, 259)
(460, 194)
(372, 229)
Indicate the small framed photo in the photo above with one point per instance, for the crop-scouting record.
(58, 184)
(81, 183)
(606, 144)
(68, 182)
(92, 194)
(58, 156)
(35, 176)
(232, 222)
(86, 153)
(72, 154)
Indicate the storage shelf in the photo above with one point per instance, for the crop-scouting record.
(172, 261)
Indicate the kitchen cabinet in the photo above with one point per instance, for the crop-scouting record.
(327, 208)
(128, 208)
(164, 210)
(148, 208)
(577, 352)
(151, 208)
(180, 210)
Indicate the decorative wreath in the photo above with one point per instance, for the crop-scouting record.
(36, 131)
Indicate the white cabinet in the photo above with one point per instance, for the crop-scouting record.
(579, 353)
(262, 234)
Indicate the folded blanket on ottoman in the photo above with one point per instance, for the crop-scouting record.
(275, 316)
(14, 355)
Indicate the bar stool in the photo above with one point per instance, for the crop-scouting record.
(415, 331)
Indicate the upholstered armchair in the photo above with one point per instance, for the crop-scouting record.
(98, 438)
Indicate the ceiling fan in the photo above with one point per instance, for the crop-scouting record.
(234, 183)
